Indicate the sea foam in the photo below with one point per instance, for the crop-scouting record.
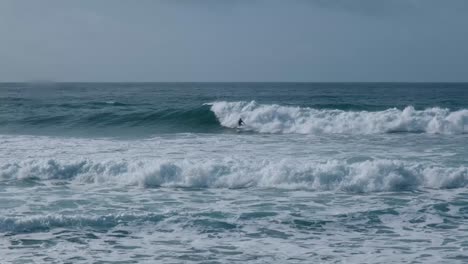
(362, 176)
(45, 222)
(264, 118)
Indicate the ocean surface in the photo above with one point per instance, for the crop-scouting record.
(160, 173)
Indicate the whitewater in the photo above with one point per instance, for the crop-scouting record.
(287, 119)
(160, 173)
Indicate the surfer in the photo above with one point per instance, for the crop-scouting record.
(240, 122)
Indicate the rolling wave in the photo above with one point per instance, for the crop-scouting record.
(113, 114)
(364, 176)
(259, 118)
(273, 118)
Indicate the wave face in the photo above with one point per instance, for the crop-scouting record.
(274, 118)
(364, 176)
(107, 116)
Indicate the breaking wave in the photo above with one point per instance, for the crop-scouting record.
(46, 222)
(265, 118)
(363, 176)
(116, 118)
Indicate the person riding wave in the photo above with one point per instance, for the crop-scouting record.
(240, 122)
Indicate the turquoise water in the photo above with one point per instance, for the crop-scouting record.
(160, 173)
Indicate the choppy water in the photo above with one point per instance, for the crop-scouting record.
(159, 173)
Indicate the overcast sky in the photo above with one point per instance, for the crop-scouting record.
(235, 40)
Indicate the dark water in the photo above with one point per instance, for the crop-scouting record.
(161, 173)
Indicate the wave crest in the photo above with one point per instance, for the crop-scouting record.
(264, 118)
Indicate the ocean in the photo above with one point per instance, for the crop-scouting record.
(161, 173)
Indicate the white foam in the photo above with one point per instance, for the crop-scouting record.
(302, 120)
(364, 176)
(42, 222)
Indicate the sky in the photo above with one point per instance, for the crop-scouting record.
(235, 40)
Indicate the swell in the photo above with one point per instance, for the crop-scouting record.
(364, 176)
(111, 114)
(264, 118)
(199, 116)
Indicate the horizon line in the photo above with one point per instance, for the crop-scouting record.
(208, 82)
